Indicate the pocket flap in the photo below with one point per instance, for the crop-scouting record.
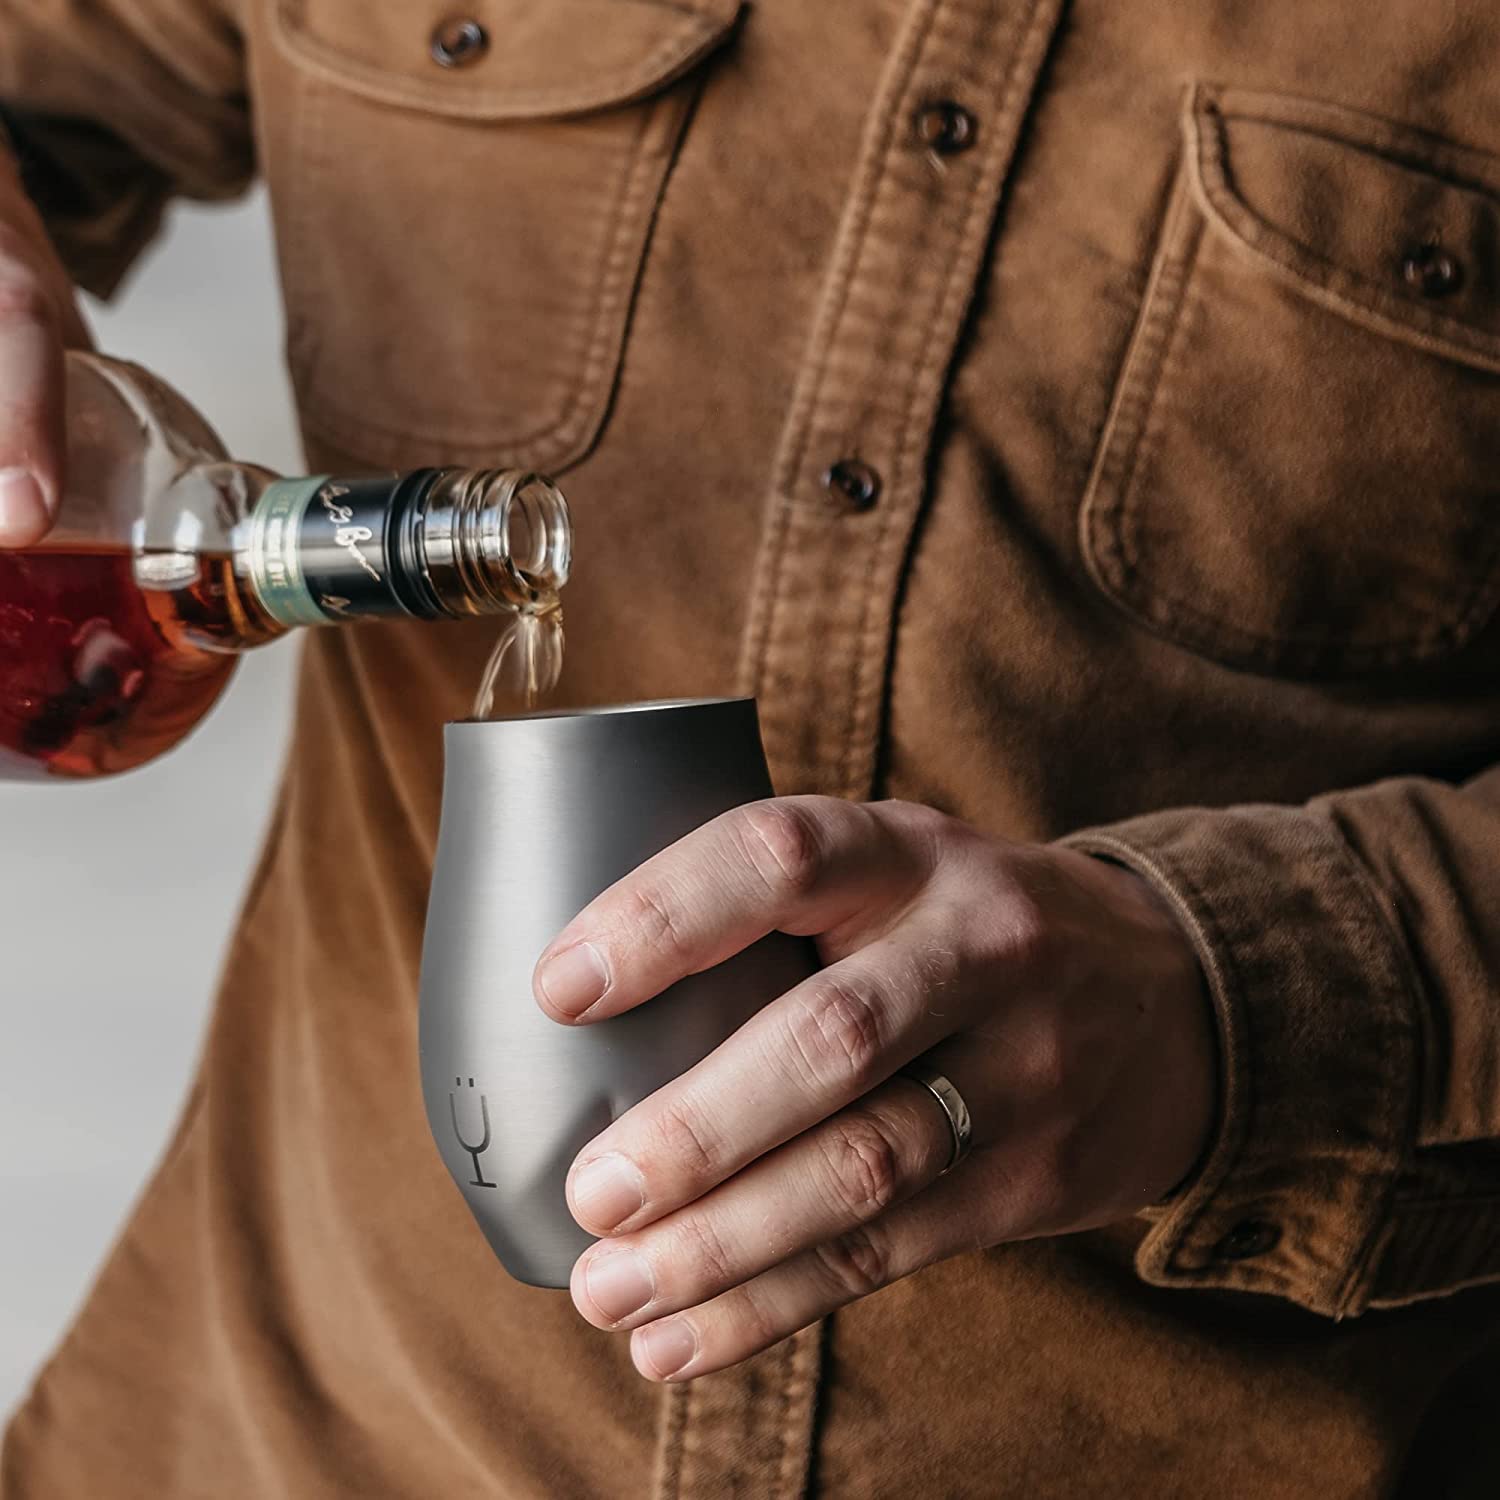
(540, 58)
(1354, 210)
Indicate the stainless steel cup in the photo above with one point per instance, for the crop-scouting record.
(541, 813)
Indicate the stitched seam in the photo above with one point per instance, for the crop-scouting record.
(669, 1453)
(873, 168)
(1121, 474)
(755, 657)
(1419, 1294)
(976, 212)
(1239, 1100)
(1354, 297)
(1346, 291)
(914, 261)
(690, 1425)
(1414, 161)
(1213, 632)
(595, 309)
(1099, 522)
(598, 315)
(797, 1460)
(1335, 875)
(786, 1419)
(781, 1422)
(1149, 436)
(617, 86)
(1407, 986)
(1404, 144)
(867, 631)
(1230, 959)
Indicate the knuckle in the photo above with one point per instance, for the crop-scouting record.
(651, 917)
(23, 299)
(856, 1262)
(1043, 1061)
(752, 1325)
(681, 1137)
(1027, 937)
(863, 1164)
(917, 817)
(928, 830)
(702, 1251)
(784, 846)
(1049, 1176)
(838, 1031)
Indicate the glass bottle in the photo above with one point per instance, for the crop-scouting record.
(120, 629)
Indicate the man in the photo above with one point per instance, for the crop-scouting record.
(1068, 421)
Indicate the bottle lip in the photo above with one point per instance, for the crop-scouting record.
(599, 711)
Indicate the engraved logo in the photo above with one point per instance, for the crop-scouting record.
(346, 535)
(484, 1141)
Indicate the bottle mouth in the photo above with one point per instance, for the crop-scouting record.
(536, 533)
(494, 540)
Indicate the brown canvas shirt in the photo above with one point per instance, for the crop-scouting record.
(1167, 407)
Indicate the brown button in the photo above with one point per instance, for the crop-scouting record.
(458, 41)
(945, 127)
(1431, 270)
(1250, 1237)
(854, 482)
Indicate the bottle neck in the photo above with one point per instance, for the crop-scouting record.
(429, 544)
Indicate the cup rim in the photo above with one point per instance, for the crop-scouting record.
(599, 711)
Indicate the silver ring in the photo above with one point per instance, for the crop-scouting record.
(941, 1089)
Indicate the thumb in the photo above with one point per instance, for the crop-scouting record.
(37, 316)
(31, 422)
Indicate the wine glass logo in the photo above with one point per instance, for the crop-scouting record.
(479, 1179)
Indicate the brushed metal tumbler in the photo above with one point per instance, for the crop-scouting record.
(540, 814)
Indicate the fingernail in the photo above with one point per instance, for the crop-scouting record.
(574, 979)
(23, 513)
(664, 1348)
(606, 1191)
(619, 1284)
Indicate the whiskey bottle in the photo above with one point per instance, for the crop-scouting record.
(168, 559)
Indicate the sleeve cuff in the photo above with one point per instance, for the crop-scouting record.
(1320, 1054)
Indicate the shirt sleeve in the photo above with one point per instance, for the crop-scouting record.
(1352, 949)
(114, 106)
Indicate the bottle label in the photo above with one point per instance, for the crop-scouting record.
(319, 550)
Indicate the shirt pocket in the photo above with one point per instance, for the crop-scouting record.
(461, 244)
(1298, 474)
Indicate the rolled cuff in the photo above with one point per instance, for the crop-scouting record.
(1320, 1047)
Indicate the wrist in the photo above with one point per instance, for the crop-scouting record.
(1181, 1044)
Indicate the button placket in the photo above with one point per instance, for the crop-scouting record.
(851, 468)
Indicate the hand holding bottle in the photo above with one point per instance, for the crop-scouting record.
(165, 558)
(39, 319)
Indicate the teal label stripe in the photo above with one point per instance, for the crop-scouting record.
(275, 552)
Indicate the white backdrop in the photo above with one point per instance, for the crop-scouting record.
(116, 898)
